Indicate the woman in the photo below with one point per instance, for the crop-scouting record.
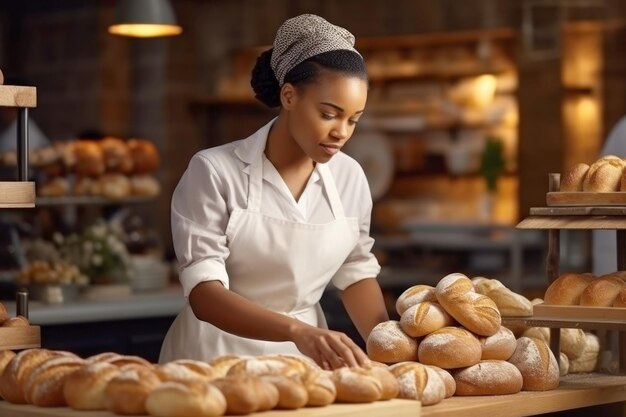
(262, 225)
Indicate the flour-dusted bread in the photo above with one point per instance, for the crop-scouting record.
(572, 340)
(419, 382)
(567, 289)
(574, 178)
(478, 313)
(602, 291)
(588, 361)
(424, 318)
(388, 343)
(537, 364)
(490, 377)
(449, 348)
(499, 346)
(414, 295)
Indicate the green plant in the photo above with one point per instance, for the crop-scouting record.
(492, 162)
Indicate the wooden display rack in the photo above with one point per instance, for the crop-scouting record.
(19, 194)
(574, 216)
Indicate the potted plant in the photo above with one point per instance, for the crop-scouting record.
(492, 165)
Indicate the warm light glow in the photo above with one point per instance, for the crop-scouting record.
(586, 111)
(145, 30)
(484, 89)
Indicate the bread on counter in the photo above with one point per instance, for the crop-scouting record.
(419, 382)
(489, 377)
(509, 303)
(499, 346)
(449, 348)
(84, 389)
(387, 343)
(196, 398)
(537, 364)
(424, 318)
(414, 295)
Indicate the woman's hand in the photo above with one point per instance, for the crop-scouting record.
(330, 349)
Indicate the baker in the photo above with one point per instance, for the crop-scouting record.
(262, 225)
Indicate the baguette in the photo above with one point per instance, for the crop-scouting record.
(44, 387)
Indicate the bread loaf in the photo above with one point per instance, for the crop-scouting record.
(510, 304)
(387, 343)
(500, 346)
(574, 178)
(491, 377)
(588, 361)
(17, 321)
(177, 372)
(127, 392)
(602, 292)
(6, 356)
(222, 364)
(424, 318)
(88, 158)
(620, 300)
(448, 380)
(262, 366)
(18, 371)
(567, 289)
(44, 387)
(536, 363)
(144, 185)
(247, 394)
(320, 388)
(388, 381)
(449, 348)
(356, 385)
(202, 369)
(84, 389)
(116, 155)
(195, 398)
(419, 382)
(3, 314)
(145, 156)
(563, 364)
(414, 295)
(476, 312)
(604, 175)
(115, 186)
(292, 393)
(119, 360)
(572, 340)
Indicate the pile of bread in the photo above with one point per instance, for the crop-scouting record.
(129, 385)
(454, 332)
(112, 168)
(588, 290)
(607, 174)
(6, 321)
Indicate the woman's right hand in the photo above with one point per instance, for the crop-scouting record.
(329, 348)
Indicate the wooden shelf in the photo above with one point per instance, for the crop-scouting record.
(86, 200)
(575, 317)
(17, 194)
(14, 338)
(18, 96)
(574, 222)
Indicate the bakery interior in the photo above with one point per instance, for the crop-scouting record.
(471, 106)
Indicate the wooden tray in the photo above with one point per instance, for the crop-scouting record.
(583, 198)
(393, 408)
(13, 338)
(580, 312)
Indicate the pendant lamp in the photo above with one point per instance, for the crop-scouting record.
(144, 19)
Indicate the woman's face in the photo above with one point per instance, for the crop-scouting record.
(324, 114)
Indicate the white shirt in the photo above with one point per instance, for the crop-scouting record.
(216, 182)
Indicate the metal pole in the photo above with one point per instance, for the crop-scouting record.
(22, 144)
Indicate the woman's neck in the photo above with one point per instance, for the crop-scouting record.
(283, 151)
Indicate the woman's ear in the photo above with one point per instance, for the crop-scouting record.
(288, 96)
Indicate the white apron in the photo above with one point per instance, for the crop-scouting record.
(281, 265)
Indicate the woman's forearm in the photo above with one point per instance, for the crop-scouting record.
(365, 305)
(232, 313)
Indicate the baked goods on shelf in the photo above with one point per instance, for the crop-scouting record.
(499, 346)
(196, 398)
(489, 377)
(604, 175)
(537, 364)
(571, 289)
(510, 304)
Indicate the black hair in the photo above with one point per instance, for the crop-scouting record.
(265, 84)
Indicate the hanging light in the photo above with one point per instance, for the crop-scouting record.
(144, 19)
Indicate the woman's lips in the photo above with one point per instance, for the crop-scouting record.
(330, 149)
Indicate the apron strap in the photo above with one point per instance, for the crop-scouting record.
(255, 185)
(331, 191)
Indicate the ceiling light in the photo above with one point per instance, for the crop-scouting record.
(144, 19)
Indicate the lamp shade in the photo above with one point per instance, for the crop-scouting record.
(144, 19)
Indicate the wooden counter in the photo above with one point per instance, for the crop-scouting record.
(576, 391)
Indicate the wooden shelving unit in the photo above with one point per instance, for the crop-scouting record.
(19, 194)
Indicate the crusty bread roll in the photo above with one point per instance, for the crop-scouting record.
(387, 343)
(388, 381)
(126, 393)
(203, 369)
(86, 186)
(17, 321)
(622, 182)
(6, 356)
(18, 371)
(88, 158)
(262, 366)
(536, 363)
(300, 363)
(574, 178)
(567, 289)
(116, 155)
(144, 185)
(414, 295)
(222, 364)
(196, 398)
(572, 340)
(320, 387)
(449, 348)
(588, 361)
(178, 372)
(491, 377)
(84, 389)
(604, 175)
(424, 318)
(120, 360)
(44, 387)
(602, 292)
(620, 300)
(476, 312)
(483, 285)
(499, 346)
(115, 186)
(448, 380)
(356, 385)
(3, 314)
(563, 364)
(145, 156)
(55, 187)
(419, 382)
(292, 393)
(247, 394)
(509, 303)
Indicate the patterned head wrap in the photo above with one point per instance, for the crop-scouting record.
(303, 37)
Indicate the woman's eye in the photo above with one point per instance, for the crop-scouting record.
(328, 116)
(354, 122)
